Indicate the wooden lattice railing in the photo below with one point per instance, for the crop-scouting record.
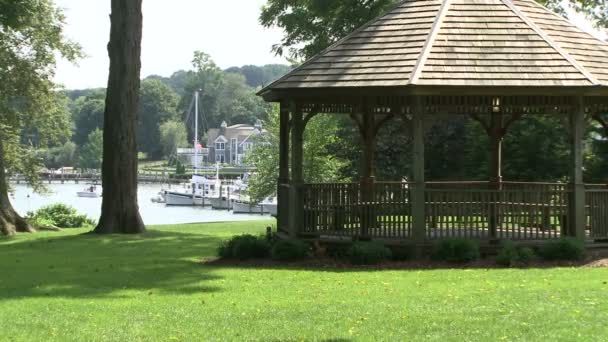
(597, 212)
(517, 211)
(347, 210)
(540, 213)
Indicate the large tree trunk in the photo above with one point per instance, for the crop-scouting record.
(10, 221)
(119, 210)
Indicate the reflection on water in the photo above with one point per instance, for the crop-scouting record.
(25, 200)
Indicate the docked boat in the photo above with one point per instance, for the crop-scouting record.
(268, 206)
(248, 208)
(199, 193)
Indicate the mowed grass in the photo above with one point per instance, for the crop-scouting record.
(72, 287)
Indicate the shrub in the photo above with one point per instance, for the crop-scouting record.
(244, 247)
(512, 254)
(563, 249)
(457, 250)
(368, 253)
(286, 250)
(59, 215)
(402, 253)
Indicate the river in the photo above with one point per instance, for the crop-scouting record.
(24, 200)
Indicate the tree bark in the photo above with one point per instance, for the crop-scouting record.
(10, 221)
(120, 210)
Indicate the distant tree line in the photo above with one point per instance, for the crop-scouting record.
(165, 118)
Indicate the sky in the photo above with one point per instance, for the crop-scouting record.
(228, 30)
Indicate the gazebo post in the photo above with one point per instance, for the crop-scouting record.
(368, 131)
(296, 209)
(418, 192)
(496, 134)
(577, 199)
(283, 181)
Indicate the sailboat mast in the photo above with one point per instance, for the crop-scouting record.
(195, 131)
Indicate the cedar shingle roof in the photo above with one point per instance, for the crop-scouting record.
(459, 43)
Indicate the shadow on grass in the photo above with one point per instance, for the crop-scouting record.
(99, 266)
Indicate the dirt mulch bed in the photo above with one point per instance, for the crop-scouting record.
(594, 260)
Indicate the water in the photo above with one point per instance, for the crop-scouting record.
(25, 200)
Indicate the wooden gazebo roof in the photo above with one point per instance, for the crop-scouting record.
(458, 44)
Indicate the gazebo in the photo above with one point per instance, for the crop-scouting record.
(492, 60)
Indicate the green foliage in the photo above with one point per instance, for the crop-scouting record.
(245, 247)
(224, 96)
(88, 115)
(60, 156)
(456, 250)
(320, 164)
(31, 40)
(259, 76)
(288, 250)
(311, 25)
(91, 154)
(180, 169)
(536, 148)
(59, 215)
(157, 106)
(570, 249)
(173, 135)
(402, 253)
(368, 253)
(512, 254)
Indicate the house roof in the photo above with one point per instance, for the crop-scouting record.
(467, 43)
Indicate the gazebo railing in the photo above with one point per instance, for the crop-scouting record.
(517, 211)
(533, 214)
(351, 210)
(597, 211)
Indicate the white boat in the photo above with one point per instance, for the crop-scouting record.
(198, 193)
(248, 208)
(160, 198)
(89, 192)
(221, 203)
(268, 206)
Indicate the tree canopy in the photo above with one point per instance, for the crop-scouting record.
(31, 39)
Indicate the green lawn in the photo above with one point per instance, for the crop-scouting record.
(66, 286)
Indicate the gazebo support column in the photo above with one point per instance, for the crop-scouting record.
(496, 135)
(283, 181)
(418, 192)
(368, 125)
(296, 209)
(577, 197)
(368, 218)
(496, 128)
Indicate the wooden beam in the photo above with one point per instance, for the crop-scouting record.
(296, 209)
(577, 200)
(283, 196)
(418, 192)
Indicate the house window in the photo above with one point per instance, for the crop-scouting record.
(247, 146)
(220, 158)
(220, 146)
